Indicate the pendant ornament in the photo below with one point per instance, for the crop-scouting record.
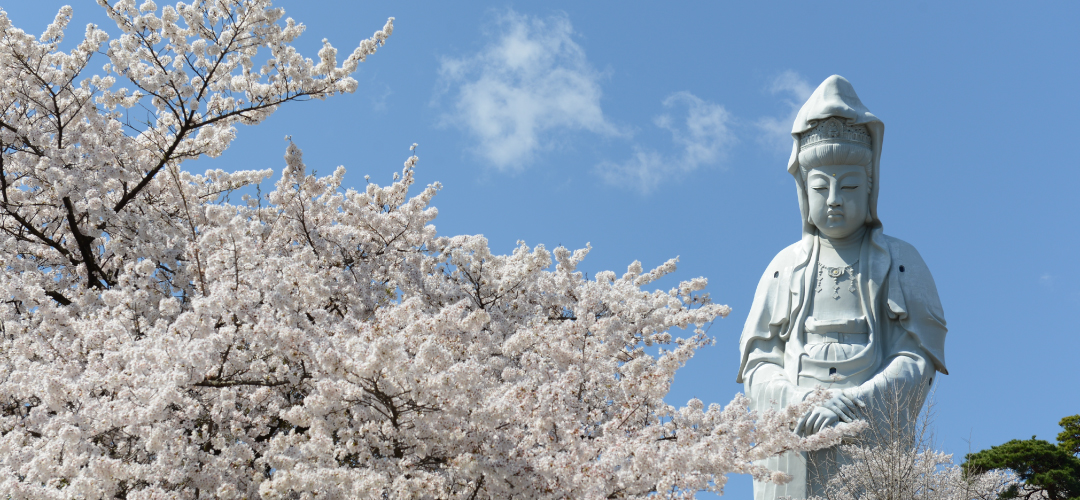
(835, 273)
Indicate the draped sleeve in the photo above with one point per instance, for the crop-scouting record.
(763, 347)
(768, 318)
(766, 333)
(913, 301)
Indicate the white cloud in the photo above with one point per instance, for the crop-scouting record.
(379, 94)
(529, 84)
(776, 131)
(703, 138)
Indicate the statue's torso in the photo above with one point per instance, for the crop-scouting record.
(895, 295)
(836, 332)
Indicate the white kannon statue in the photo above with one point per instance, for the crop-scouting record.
(846, 307)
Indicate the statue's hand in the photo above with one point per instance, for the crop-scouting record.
(845, 407)
(815, 420)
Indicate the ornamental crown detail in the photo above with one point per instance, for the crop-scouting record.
(834, 131)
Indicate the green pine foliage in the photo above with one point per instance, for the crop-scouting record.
(1041, 465)
(1069, 439)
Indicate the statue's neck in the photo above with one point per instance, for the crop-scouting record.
(841, 252)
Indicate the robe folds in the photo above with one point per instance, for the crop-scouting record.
(906, 341)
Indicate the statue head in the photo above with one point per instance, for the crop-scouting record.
(835, 161)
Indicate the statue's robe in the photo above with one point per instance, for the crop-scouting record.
(906, 341)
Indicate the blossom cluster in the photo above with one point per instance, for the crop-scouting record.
(894, 457)
(158, 340)
(895, 471)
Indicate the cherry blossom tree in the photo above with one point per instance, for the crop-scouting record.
(158, 340)
(893, 471)
(895, 459)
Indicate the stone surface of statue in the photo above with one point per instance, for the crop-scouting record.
(846, 307)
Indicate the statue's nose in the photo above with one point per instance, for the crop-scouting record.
(834, 197)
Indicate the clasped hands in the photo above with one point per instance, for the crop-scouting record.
(839, 408)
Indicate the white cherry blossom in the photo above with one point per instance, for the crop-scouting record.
(159, 341)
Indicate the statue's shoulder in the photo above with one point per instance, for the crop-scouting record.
(783, 262)
(904, 253)
(790, 256)
(895, 242)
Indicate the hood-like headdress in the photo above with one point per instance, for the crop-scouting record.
(836, 98)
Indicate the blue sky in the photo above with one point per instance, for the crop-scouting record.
(659, 129)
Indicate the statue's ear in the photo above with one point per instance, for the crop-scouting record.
(869, 218)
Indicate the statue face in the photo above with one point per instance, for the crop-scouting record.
(839, 197)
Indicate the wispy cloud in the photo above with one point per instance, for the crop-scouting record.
(775, 131)
(379, 94)
(528, 85)
(702, 137)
